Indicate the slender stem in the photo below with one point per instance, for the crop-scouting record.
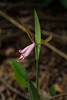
(37, 74)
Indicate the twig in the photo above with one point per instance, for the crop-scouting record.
(56, 97)
(22, 28)
(12, 21)
(13, 89)
(56, 50)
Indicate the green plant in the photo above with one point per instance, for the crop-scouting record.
(20, 73)
(52, 91)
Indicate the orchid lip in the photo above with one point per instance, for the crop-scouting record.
(21, 58)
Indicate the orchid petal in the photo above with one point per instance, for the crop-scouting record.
(30, 49)
(22, 51)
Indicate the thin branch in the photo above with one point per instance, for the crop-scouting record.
(56, 50)
(56, 97)
(13, 89)
(12, 21)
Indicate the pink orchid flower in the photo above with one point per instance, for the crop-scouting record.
(26, 51)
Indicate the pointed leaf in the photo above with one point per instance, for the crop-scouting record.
(33, 92)
(20, 73)
(52, 91)
(37, 35)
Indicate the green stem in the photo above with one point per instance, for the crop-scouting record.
(37, 74)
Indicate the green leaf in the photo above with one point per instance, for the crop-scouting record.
(52, 91)
(20, 80)
(37, 35)
(33, 92)
(64, 3)
(20, 73)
